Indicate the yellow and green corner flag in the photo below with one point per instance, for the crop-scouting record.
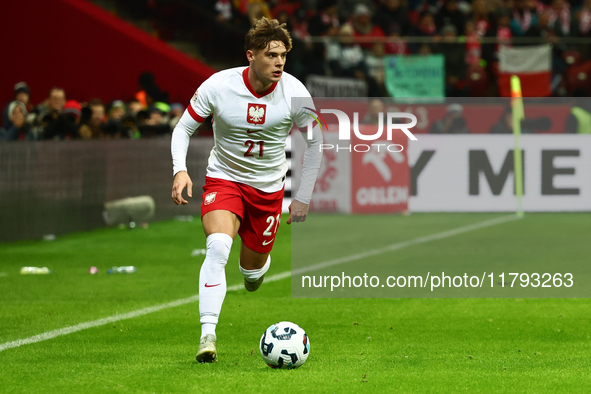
(518, 115)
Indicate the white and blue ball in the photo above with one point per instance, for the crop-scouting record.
(285, 345)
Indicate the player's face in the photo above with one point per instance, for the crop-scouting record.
(268, 63)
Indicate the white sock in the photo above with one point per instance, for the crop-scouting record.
(254, 275)
(207, 328)
(212, 281)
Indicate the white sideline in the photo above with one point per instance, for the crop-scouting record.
(144, 311)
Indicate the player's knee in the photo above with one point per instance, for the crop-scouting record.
(218, 249)
(254, 263)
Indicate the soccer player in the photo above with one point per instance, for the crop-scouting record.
(243, 193)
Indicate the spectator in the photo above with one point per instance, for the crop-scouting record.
(113, 128)
(257, 9)
(97, 119)
(133, 107)
(453, 122)
(21, 93)
(55, 101)
(375, 111)
(450, 14)
(93, 126)
(130, 126)
(117, 110)
(66, 125)
(17, 129)
(252, 9)
(473, 46)
(150, 92)
(524, 18)
(176, 111)
(505, 123)
(45, 122)
(326, 20)
(582, 27)
(582, 20)
(528, 125)
(425, 28)
(362, 25)
(425, 49)
(131, 119)
(288, 7)
(69, 121)
(481, 17)
(298, 26)
(154, 124)
(325, 23)
(391, 12)
(560, 17)
(347, 7)
(454, 54)
(395, 45)
(546, 28)
(346, 58)
(223, 9)
(375, 66)
(426, 25)
(502, 31)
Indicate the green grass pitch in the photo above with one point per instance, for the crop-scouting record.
(357, 345)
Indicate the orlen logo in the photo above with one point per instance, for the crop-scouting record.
(378, 160)
(345, 130)
(385, 191)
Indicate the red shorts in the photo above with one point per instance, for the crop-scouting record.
(259, 212)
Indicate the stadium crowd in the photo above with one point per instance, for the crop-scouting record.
(58, 118)
(455, 29)
(334, 38)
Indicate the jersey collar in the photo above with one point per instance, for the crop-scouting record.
(249, 86)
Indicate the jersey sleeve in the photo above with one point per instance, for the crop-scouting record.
(202, 102)
(200, 107)
(179, 144)
(301, 104)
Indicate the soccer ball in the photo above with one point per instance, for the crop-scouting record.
(285, 345)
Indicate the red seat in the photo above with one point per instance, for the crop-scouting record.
(572, 58)
(477, 81)
(579, 77)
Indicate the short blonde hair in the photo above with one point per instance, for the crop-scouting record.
(263, 32)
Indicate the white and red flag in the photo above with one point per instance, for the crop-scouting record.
(533, 66)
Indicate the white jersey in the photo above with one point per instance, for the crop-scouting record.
(249, 129)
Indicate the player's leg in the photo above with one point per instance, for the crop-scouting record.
(221, 211)
(262, 214)
(254, 266)
(220, 228)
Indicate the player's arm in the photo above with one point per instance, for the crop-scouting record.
(179, 145)
(298, 209)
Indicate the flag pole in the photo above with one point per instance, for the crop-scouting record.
(518, 115)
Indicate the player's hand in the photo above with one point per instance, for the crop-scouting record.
(297, 211)
(181, 181)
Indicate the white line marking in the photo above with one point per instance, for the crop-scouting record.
(283, 275)
(400, 245)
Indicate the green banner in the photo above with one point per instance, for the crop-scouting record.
(415, 76)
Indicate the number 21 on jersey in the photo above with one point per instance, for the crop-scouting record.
(273, 222)
(250, 144)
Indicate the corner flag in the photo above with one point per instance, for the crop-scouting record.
(518, 115)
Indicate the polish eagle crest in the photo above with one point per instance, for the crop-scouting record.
(256, 114)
